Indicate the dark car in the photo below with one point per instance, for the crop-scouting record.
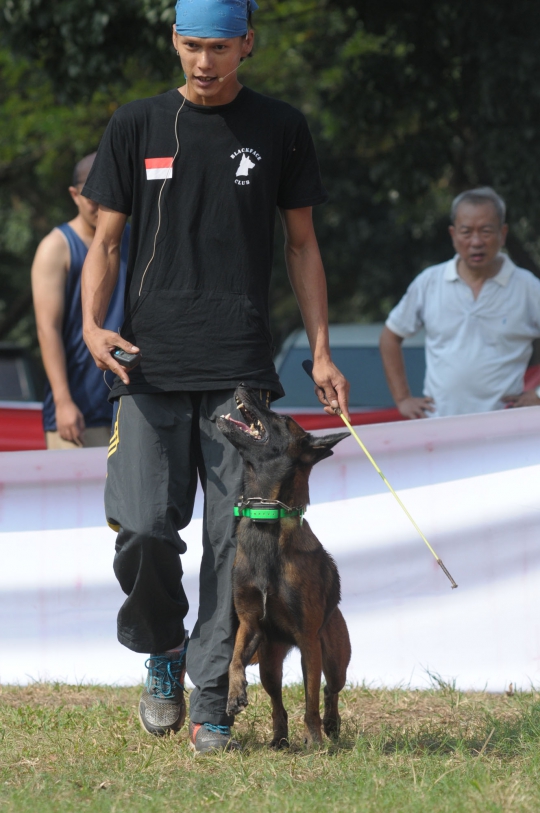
(355, 351)
(18, 379)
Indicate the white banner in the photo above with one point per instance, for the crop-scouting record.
(471, 483)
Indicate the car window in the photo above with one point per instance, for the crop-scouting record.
(363, 368)
(14, 381)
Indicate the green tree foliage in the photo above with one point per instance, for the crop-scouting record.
(84, 47)
(410, 102)
(40, 141)
(437, 95)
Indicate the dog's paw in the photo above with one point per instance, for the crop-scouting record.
(237, 703)
(278, 743)
(331, 726)
(313, 738)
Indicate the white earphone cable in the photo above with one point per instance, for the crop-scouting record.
(160, 193)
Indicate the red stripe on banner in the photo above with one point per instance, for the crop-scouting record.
(158, 163)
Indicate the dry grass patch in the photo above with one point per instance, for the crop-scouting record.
(60, 695)
(67, 748)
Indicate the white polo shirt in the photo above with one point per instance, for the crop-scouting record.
(477, 350)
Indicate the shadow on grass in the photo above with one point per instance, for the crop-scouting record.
(440, 721)
(503, 738)
(255, 725)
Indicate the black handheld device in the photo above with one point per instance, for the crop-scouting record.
(307, 364)
(127, 360)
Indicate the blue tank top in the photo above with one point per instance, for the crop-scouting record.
(86, 384)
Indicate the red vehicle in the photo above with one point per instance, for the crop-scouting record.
(21, 427)
(355, 349)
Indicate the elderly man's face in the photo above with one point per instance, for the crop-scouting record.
(478, 236)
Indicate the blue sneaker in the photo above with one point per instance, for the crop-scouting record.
(162, 707)
(205, 737)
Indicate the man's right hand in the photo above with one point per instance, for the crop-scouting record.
(70, 422)
(415, 407)
(101, 344)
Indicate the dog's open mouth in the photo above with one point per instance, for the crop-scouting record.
(252, 427)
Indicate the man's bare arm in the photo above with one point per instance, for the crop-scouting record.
(306, 273)
(523, 399)
(49, 271)
(396, 375)
(99, 277)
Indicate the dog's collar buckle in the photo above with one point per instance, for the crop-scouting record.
(260, 510)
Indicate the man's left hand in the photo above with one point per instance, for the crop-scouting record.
(527, 398)
(332, 388)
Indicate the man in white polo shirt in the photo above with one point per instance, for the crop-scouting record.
(481, 314)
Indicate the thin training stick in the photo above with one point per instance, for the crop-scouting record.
(308, 367)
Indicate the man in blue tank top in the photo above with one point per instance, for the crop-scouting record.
(76, 411)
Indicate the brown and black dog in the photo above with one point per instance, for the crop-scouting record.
(285, 585)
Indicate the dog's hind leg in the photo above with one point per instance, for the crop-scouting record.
(310, 647)
(271, 657)
(248, 638)
(336, 654)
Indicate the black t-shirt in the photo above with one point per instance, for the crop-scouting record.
(200, 315)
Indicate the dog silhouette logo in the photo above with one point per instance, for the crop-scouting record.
(245, 165)
(249, 158)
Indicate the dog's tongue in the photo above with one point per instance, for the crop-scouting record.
(242, 425)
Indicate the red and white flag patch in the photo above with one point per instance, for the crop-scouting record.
(158, 168)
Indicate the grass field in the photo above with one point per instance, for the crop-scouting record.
(80, 748)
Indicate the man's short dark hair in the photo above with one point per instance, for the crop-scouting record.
(482, 194)
(82, 168)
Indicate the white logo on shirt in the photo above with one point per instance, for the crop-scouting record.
(245, 165)
(248, 159)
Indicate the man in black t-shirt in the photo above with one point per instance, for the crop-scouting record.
(200, 170)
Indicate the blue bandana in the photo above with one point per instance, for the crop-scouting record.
(213, 18)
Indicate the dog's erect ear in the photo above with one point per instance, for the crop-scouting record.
(317, 448)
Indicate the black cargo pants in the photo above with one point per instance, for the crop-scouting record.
(160, 442)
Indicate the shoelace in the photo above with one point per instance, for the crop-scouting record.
(163, 675)
(218, 729)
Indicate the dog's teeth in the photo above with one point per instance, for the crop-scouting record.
(240, 406)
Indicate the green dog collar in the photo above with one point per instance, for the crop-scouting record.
(267, 510)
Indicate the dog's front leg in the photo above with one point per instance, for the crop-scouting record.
(312, 666)
(248, 637)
